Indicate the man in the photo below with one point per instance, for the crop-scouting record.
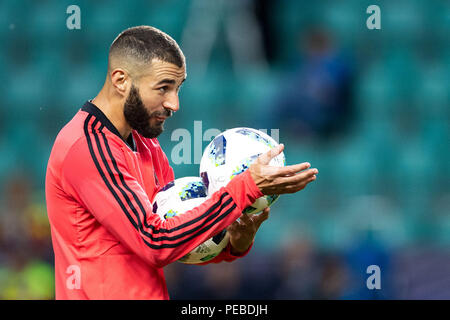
(106, 166)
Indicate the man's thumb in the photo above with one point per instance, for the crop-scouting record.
(269, 155)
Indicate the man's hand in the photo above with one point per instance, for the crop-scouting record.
(242, 232)
(270, 180)
(278, 180)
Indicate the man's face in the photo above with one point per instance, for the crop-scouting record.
(154, 98)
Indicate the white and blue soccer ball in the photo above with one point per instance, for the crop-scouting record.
(231, 153)
(180, 196)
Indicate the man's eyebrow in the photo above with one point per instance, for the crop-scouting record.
(169, 81)
(166, 81)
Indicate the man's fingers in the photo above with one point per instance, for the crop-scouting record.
(293, 169)
(260, 218)
(291, 184)
(269, 155)
(245, 218)
(254, 219)
(299, 186)
(298, 178)
(280, 180)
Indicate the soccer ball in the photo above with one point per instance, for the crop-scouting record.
(231, 153)
(180, 196)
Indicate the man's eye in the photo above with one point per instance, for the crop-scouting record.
(163, 89)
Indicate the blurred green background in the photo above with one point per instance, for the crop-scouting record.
(369, 108)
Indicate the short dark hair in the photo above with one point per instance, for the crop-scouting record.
(142, 44)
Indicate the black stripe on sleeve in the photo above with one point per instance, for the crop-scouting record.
(138, 225)
(206, 215)
(139, 203)
(99, 169)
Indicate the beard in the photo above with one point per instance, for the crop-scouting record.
(139, 118)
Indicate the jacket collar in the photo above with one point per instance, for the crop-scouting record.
(91, 108)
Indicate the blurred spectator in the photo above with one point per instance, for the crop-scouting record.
(222, 281)
(230, 22)
(315, 95)
(333, 277)
(366, 251)
(26, 255)
(254, 277)
(298, 270)
(15, 201)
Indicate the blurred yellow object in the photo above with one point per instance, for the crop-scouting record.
(34, 282)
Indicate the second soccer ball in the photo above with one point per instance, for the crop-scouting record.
(177, 198)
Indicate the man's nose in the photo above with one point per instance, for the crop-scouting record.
(172, 102)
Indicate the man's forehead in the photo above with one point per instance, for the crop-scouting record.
(162, 70)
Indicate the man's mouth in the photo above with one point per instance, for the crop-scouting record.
(160, 118)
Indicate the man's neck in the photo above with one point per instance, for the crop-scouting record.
(114, 112)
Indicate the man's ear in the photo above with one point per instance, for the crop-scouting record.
(120, 81)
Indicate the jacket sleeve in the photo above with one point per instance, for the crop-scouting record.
(96, 174)
(226, 254)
